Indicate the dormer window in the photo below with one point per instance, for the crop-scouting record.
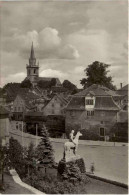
(89, 102)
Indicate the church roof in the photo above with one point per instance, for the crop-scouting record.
(32, 55)
(49, 79)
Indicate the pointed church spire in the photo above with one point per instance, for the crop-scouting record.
(32, 59)
(32, 56)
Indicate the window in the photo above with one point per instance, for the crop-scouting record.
(53, 112)
(52, 104)
(19, 108)
(72, 113)
(89, 102)
(34, 71)
(61, 105)
(102, 131)
(20, 127)
(102, 113)
(90, 113)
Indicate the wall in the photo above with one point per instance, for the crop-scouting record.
(80, 120)
(18, 105)
(54, 107)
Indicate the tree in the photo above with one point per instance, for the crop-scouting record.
(46, 84)
(96, 73)
(4, 161)
(67, 84)
(44, 151)
(26, 84)
(53, 82)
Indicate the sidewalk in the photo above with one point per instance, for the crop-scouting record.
(13, 188)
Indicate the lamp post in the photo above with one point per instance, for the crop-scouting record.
(114, 138)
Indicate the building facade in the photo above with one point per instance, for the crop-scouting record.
(92, 110)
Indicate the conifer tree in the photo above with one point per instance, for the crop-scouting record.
(44, 150)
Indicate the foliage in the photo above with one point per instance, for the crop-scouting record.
(119, 132)
(46, 84)
(15, 152)
(16, 156)
(22, 159)
(50, 184)
(96, 73)
(4, 160)
(67, 84)
(26, 84)
(72, 171)
(90, 134)
(44, 151)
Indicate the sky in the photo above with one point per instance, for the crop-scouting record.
(67, 37)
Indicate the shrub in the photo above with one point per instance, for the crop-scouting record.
(51, 185)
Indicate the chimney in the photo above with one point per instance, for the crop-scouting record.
(121, 85)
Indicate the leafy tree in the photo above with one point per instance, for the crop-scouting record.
(44, 150)
(67, 84)
(4, 162)
(43, 84)
(26, 84)
(96, 73)
(30, 159)
(53, 82)
(46, 84)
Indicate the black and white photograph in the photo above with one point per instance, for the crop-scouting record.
(64, 97)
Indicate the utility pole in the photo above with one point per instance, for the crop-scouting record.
(36, 135)
(22, 136)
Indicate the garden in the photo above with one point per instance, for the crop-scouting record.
(36, 167)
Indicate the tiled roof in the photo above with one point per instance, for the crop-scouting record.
(27, 94)
(97, 90)
(61, 97)
(105, 103)
(76, 103)
(123, 91)
(101, 103)
(49, 79)
(10, 91)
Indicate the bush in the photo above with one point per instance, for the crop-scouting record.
(49, 184)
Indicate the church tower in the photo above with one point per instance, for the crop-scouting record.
(32, 68)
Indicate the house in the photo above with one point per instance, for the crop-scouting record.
(55, 113)
(55, 106)
(93, 109)
(4, 126)
(8, 94)
(123, 91)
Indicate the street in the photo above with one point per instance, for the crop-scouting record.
(110, 162)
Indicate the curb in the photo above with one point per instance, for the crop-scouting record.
(108, 180)
(19, 181)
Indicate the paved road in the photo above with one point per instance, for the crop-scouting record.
(110, 162)
(13, 188)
